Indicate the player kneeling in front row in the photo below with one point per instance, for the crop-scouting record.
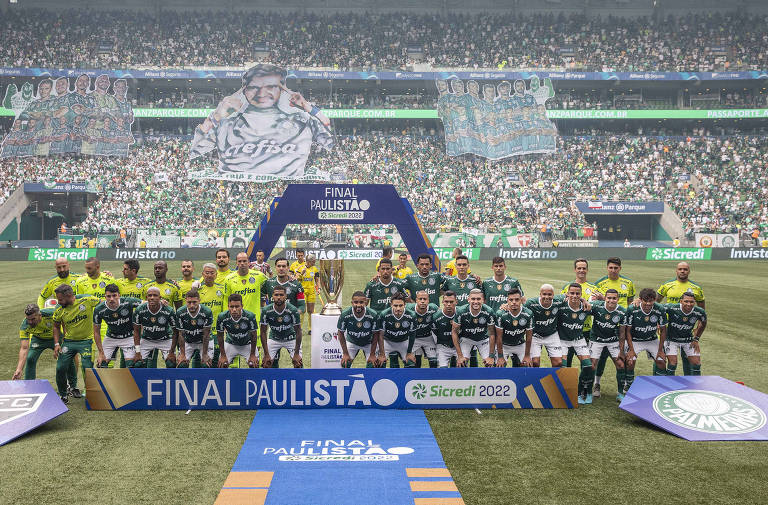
(397, 335)
(154, 329)
(194, 322)
(570, 327)
(237, 331)
(682, 319)
(474, 328)
(423, 342)
(358, 331)
(117, 313)
(36, 335)
(514, 331)
(284, 323)
(642, 324)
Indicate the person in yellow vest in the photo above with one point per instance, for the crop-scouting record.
(402, 270)
(298, 266)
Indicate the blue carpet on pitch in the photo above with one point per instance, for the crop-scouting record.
(344, 456)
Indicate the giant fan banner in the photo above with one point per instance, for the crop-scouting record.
(503, 122)
(262, 132)
(59, 120)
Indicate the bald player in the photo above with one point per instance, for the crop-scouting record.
(63, 276)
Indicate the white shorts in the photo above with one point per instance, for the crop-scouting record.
(483, 347)
(596, 349)
(580, 347)
(147, 346)
(425, 346)
(353, 349)
(551, 342)
(189, 349)
(651, 347)
(111, 345)
(232, 350)
(671, 348)
(444, 355)
(400, 348)
(276, 345)
(517, 350)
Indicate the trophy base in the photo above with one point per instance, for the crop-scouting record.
(331, 309)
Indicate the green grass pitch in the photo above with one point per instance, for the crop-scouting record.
(596, 454)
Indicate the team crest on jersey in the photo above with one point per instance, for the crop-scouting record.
(252, 280)
(431, 281)
(82, 307)
(73, 282)
(498, 286)
(406, 324)
(554, 311)
(394, 289)
(546, 313)
(507, 287)
(102, 284)
(194, 322)
(482, 320)
(461, 285)
(124, 312)
(386, 291)
(366, 325)
(243, 326)
(200, 322)
(616, 319)
(287, 319)
(359, 324)
(161, 320)
(693, 320)
(93, 286)
(474, 320)
(646, 318)
(654, 319)
(397, 325)
(471, 285)
(152, 319)
(218, 292)
(139, 285)
(574, 315)
(423, 282)
(582, 316)
(523, 321)
(515, 323)
(243, 281)
(624, 286)
(607, 317)
(167, 291)
(287, 291)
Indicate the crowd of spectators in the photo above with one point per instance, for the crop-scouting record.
(150, 189)
(119, 39)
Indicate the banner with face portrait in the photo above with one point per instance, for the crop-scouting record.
(262, 132)
(499, 122)
(62, 120)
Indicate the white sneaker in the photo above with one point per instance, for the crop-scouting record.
(596, 391)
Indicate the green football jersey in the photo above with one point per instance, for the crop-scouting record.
(120, 320)
(606, 323)
(442, 328)
(282, 323)
(380, 294)
(358, 331)
(42, 330)
(570, 323)
(422, 322)
(496, 292)
(680, 326)
(192, 326)
(238, 331)
(157, 325)
(587, 290)
(474, 326)
(545, 318)
(50, 286)
(642, 326)
(397, 330)
(77, 319)
(134, 288)
(431, 284)
(294, 292)
(213, 298)
(461, 287)
(514, 327)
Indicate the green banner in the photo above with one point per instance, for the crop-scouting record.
(44, 254)
(432, 113)
(678, 254)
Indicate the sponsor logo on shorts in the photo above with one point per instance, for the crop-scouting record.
(709, 411)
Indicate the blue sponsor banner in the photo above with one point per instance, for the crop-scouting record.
(339, 457)
(25, 405)
(611, 207)
(699, 408)
(236, 73)
(237, 389)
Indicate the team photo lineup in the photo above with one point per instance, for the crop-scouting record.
(422, 318)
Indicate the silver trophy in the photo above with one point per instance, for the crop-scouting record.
(331, 281)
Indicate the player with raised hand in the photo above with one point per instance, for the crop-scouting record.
(284, 324)
(193, 322)
(642, 324)
(131, 284)
(581, 268)
(397, 332)
(607, 319)
(116, 312)
(63, 276)
(237, 332)
(570, 328)
(380, 290)
(424, 343)
(442, 329)
(72, 334)
(626, 290)
(474, 328)
(683, 332)
(154, 330)
(514, 331)
(544, 309)
(425, 280)
(358, 331)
